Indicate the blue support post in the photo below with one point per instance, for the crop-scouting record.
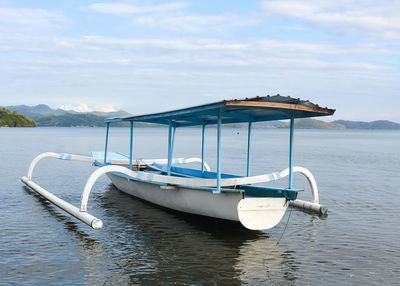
(173, 140)
(169, 147)
(105, 148)
(219, 153)
(291, 153)
(202, 148)
(248, 148)
(131, 147)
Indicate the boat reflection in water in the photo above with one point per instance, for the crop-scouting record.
(264, 261)
(145, 244)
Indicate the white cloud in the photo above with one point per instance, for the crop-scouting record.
(86, 73)
(105, 108)
(369, 18)
(189, 23)
(174, 17)
(83, 107)
(129, 9)
(28, 20)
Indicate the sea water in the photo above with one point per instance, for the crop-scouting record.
(358, 243)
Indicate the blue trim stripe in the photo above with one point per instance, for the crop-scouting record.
(61, 156)
(271, 177)
(278, 175)
(68, 157)
(150, 177)
(183, 161)
(176, 161)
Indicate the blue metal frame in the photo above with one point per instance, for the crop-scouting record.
(173, 139)
(106, 146)
(219, 153)
(203, 129)
(231, 120)
(291, 153)
(131, 147)
(169, 147)
(229, 114)
(171, 142)
(248, 148)
(221, 113)
(176, 112)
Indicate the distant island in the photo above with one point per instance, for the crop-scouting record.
(43, 115)
(10, 118)
(308, 123)
(378, 124)
(343, 124)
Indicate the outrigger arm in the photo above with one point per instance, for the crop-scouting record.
(92, 221)
(81, 213)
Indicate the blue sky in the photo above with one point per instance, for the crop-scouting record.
(148, 56)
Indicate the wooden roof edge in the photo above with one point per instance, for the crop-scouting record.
(267, 104)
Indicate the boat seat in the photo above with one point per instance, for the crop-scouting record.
(163, 170)
(110, 155)
(188, 173)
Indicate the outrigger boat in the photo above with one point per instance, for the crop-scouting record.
(166, 183)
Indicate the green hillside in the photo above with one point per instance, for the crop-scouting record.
(70, 120)
(46, 116)
(13, 119)
(76, 119)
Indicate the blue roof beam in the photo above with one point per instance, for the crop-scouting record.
(189, 120)
(115, 119)
(234, 115)
(156, 121)
(176, 113)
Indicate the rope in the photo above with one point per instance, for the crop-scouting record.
(287, 222)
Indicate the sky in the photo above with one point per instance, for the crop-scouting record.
(150, 56)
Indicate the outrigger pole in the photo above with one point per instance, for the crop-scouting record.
(81, 213)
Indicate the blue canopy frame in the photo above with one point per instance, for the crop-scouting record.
(247, 110)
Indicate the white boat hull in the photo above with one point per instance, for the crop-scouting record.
(253, 213)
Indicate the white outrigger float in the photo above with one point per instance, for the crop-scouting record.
(201, 192)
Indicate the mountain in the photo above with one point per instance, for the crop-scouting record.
(35, 111)
(119, 113)
(46, 116)
(42, 110)
(265, 124)
(307, 123)
(378, 124)
(69, 120)
(268, 124)
(13, 119)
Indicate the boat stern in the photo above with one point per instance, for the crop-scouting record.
(261, 213)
